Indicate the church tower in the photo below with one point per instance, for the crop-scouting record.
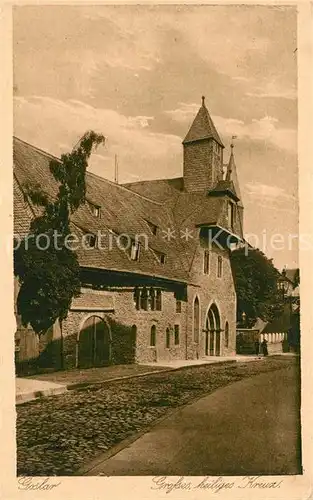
(231, 176)
(203, 154)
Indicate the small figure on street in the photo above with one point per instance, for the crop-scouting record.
(264, 348)
(257, 347)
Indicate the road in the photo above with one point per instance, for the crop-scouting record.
(251, 427)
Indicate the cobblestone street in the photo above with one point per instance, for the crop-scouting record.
(58, 435)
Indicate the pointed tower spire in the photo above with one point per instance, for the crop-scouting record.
(203, 127)
(231, 173)
(203, 153)
(231, 164)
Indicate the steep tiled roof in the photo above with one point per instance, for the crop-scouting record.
(231, 175)
(202, 128)
(225, 186)
(131, 209)
(291, 274)
(22, 211)
(122, 211)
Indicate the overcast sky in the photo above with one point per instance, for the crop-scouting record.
(137, 74)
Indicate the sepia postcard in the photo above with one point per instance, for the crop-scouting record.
(156, 206)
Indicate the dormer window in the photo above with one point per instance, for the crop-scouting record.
(95, 209)
(134, 250)
(91, 240)
(160, 256)
(153, 228)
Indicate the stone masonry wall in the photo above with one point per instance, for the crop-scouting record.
(121, 322)
(202, 167)
(212, 289)
(198, 166)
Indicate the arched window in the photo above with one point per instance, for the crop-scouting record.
(226, 334)
(168, 338)
(196, 320)
(153, 336)
(213, 332)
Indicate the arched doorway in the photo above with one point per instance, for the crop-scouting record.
(213, 332)
(94, 343)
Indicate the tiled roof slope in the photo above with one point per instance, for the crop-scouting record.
(22, 211)
(291, 274)
(125, 209)
(188, 211)
(202, 128)
(122, 211)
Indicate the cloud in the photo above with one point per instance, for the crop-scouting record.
(259, 190)
(265, 129)
(290, 94)
(140, 150)
(185, 113)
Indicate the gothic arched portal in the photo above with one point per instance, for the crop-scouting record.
(213, 332)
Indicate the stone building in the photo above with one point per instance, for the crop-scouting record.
(160, 285)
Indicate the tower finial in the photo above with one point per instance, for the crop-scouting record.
(203, 99)
(232, 142)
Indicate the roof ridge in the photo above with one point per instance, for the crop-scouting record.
(121, 186)
(36, 147)
(87, 171)
(166, 179)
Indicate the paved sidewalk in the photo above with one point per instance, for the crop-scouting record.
(182, 363)
(28, 389)
(250, 427)
(34, 387)
(50, 384)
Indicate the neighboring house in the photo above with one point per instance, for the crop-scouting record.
(169, 294)
(286, 325)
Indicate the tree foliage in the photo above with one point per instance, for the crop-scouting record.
(49, 272)
(256, 285)
(296, 281)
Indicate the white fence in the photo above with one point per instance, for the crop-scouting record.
(273, 338)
